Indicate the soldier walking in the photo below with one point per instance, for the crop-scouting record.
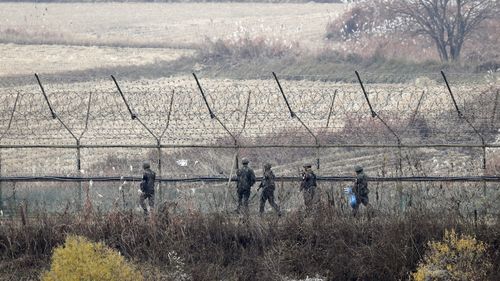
(268, 190)
(360, 190)
(246, 179)
(147, 188)
(308, 186)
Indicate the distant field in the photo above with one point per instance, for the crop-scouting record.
(140, 25)
(56, 58)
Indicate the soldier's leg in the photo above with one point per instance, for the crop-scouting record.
(355, 211)
(151, 201)
(315, 200)
(307, 199)
(313, 195)
(240, 198)
(366, 202)
(273, 204)
(263, 199)
(305, 196)
(246, 196)
(356, 207)
(142, 203)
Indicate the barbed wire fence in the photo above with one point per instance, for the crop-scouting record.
(195, 131)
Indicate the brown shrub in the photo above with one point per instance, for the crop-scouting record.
(362, 17)
(246, 47)
(216, 246)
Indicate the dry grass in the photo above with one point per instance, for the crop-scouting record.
(177, 25)
(56, 58)
(218, 247)
(181, 23)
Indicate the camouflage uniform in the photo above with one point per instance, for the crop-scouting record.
(268, 190)
(147, 188)
(361, 191)
(361, 187)
(246, 178)
(308, 186)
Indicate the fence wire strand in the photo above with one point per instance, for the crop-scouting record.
(171, 115)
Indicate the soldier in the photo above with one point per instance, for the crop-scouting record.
(308, 186)
(147, 188)
(246, 178)
(360, 189)
(268, 190)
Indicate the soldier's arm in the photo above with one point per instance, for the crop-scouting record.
(272, 179)
(365, 182)
(252, 176)
(142, 185)
(265, 177)
(356, 185)
(304, 180)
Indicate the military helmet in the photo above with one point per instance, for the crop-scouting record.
(244, 161)
(307, 165)
(358, 169)
(267, 166)
(146, 165)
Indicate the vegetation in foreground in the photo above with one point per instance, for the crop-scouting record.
(224, 247)
(81, 259)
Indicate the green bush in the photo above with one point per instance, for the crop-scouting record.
(80, 259)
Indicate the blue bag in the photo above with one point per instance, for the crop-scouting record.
(351, 197)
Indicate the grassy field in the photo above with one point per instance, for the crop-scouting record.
(151, 40)
(57, 58)
(175, 23)
(60, 34)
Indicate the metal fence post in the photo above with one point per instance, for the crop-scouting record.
(159, 139)
(1, 137)
(134, 116)
(13, 201)
(160, 190)
(476, 131)
(495, 105)
(399, 169)
(79, 172)
(1, 182)
(77, 139)
(331, 109)
(78, 154)
(294, 115)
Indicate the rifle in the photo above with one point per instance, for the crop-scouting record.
(253, 196)
(257, 192)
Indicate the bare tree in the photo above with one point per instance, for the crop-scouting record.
(447, 22)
